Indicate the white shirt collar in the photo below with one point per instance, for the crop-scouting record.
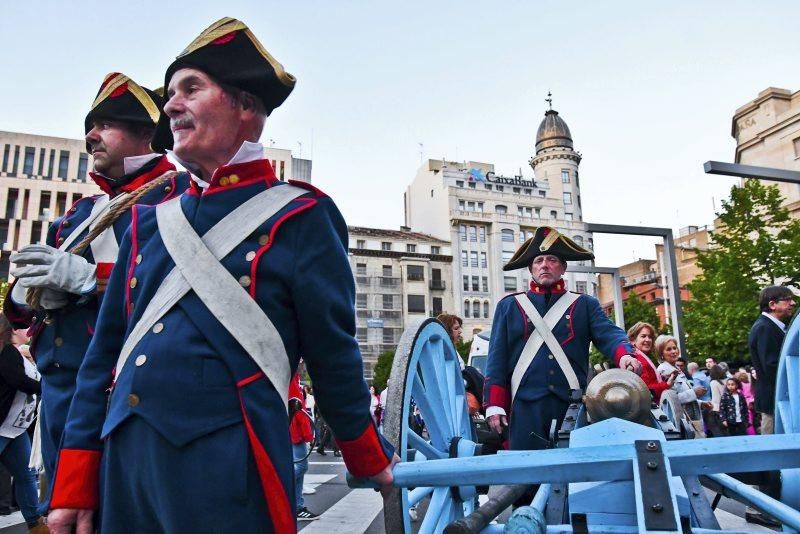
(249, 151)
(134, 163)
(774, 320)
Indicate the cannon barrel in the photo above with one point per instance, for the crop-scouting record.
(617, 393)
(480, 518)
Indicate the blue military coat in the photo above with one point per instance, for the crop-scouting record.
(188, 377)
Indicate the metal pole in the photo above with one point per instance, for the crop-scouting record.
(618, 312)
(675, 292)
(752, 171)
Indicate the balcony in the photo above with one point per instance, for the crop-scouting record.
(413, 277)
(437, 284)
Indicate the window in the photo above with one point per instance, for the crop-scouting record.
(591, 244)
(553, 214)
(485, 309)
(388, 302)
(484, 284)
(361, 300)
(472, 185)
(437, 305)
(527, 191)
(6, 153)
(500, 188)
(519, 211)
(410, 247)
(580, 287)
(470, 206)
(61, 203)
(464, 261)
(431, 193)
(501, 209)
(415, 273)
(475, 283)
(27, 165)
(567, 216)
(466, 283)
(435, 250)
(416, 304)
(507, 235)
(387, 270)
(462, 232)
(63, 164)
(361, 243)
(564, 176)
(42, 153)
(466, 308)
(361, 334)
(510, 283)
(521, 236)
(567, 198)
(515, 189)
(50, 164)
(13, 170)
(484, 263)
(386, 245)
(507, 254)
(579, 201)
(577, 182)
(537, 212)
(482, 232)
(462, 205)
(542, 193)
(361, 268)
(460, 183)
(476, 309)
(44, 204)
(479, 207)
(578, 240)
(473, 234)
(11, 203)
(488, 187)
(473, 259)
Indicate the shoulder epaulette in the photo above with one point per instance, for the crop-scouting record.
(308, 186)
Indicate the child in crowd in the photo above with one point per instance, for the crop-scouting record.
(733, 409)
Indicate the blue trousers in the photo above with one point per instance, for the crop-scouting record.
(299, 450)
(14, 454)
(529, 427)
(58, 388)
(209, 485)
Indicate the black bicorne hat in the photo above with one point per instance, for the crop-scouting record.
(547, 240)
(122, 99)
(230, 53)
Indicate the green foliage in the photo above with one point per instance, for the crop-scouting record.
(636, 309)
(757, 245)
(382, 370)
(4, 285)
(463, 349)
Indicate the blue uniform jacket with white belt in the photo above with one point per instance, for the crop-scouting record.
(188, 376)
(584, 322)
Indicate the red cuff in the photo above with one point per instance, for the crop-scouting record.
(77, 480)
(498, 396)
(621, 351)
(364, 456)
(104, 270)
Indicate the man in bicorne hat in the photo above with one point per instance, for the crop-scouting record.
(65, 278)
(539, 349)
(216, 296)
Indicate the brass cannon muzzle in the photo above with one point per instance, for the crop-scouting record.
(617, 393)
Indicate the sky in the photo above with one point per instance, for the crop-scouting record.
(647, 89)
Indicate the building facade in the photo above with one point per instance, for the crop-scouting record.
(42, 176)
(767, 133)
(400, 276)
(486, 216)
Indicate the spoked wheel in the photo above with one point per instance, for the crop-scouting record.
(787, 406)
(426, 369)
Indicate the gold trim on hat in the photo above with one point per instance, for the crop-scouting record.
(135, 89)
(548, 241)
(227, 25)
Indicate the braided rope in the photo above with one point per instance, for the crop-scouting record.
(33, 294)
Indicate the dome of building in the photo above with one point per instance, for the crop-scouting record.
(553, 132)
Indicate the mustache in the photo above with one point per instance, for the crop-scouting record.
(180, 122)
(97, 147)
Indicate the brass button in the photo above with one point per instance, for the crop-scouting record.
(138, 259)
(167, 189)
(233, 179)
(73, 210)
(250, 256)
(158, 327)
(224, 181)
(566, 317)
(552, 372)
(65, 224)
(552, 387)
(263, 240)
(60, 240)
(550, 356)
(57, 365)
(133, 400)
(133, 282)
(48, 320)
(244, 281)
(140, 359)
(58, 341)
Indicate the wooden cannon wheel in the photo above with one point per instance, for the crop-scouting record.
(787, 406)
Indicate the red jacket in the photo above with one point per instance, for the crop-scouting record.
(300, 426)
(651, 377)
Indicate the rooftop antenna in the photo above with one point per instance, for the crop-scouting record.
(549, 100)
(421, 152)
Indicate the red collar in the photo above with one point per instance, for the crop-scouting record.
(163, 165)
(558, 288)
(238, 175)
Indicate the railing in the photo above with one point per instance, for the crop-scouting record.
(413, 277)
(437, 284)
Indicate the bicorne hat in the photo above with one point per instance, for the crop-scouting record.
(122, 99)
(547, 240)
(230, 53)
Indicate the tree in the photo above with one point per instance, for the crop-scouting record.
(4, 285)
(756, 245)
(382, 370)
(637, 310)
(463, 348)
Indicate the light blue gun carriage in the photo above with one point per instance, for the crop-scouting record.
(614, 476)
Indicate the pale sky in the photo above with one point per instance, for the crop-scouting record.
(647, 89)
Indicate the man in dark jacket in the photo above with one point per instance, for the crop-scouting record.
(765, 340)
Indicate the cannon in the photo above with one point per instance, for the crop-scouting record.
(603, 473)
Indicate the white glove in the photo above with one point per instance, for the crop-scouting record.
(48, 267)
(52, 299)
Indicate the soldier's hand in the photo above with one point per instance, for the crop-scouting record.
(631, 364)
(385, 478)
(68, 520)
(497, 422)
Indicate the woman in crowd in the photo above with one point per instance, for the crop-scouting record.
(375, 407)
(747, 390)
(718, 377)
(454, 326)
(733, 409)
(19, 388)
(668, 352)
(642, 336)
